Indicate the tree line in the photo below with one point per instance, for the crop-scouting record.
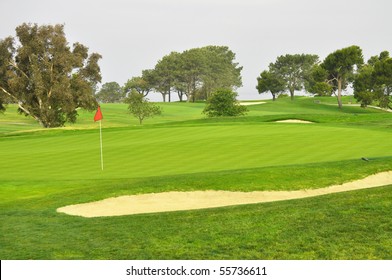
(49, 80)
(193, 75)
(371, 81)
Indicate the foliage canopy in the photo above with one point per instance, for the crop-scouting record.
(288, 73)
(374, 82)
(336, 72)
(292, 69)
(45, 77)
(269, 81)
(110, 93)
(193, 73)
(141, 108)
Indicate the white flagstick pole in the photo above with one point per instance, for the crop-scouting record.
(100, 138)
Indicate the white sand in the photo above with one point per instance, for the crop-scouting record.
(251, 103)
(293, 121)
(176, 201)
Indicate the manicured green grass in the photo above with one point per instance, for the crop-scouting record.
(130, 153)
(118, 115)
(115, 115)
(11, 121)
(181, 150)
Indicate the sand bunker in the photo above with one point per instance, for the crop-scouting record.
(293, 121)
(176, 201)
(251, 103)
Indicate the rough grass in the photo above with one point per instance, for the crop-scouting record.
(354, 225)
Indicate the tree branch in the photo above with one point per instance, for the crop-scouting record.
(27, 112)
(24, 109)
(8, 93)
(12, 63)
(333, 79)
(51, 80)
(20, 104)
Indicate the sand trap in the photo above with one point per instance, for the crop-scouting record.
(176, 201)
(293, 121)
(251, 103)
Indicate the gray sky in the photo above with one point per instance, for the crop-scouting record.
(133, 35)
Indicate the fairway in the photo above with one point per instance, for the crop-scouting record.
(45, 169)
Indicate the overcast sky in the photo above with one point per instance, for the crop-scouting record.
(133, 35)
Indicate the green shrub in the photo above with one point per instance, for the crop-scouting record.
(223, 103)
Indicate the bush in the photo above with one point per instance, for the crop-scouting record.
(222, 103)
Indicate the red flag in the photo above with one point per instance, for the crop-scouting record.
(98, 115)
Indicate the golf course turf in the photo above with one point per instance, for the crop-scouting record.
(45, 169)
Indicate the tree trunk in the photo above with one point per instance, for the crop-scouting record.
(273, 96)
(292, 94)
(340, 93)
(164, 97)
(180, 96)
(27, 112)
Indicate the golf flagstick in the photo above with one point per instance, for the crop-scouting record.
(100, 140)
(98, 117)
